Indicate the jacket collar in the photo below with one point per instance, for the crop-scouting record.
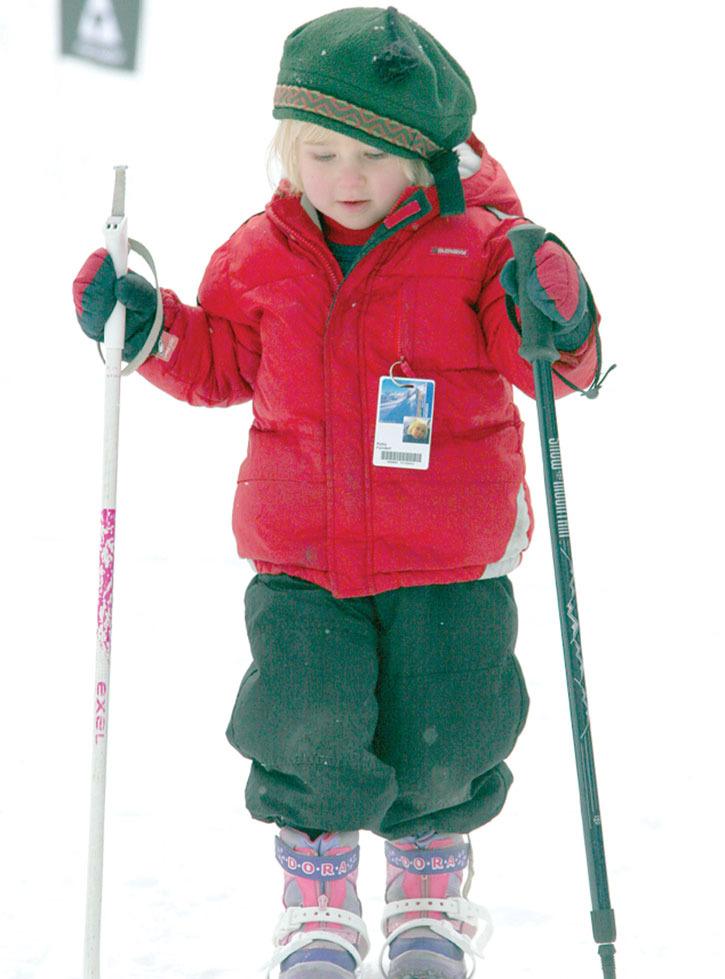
(294, 213)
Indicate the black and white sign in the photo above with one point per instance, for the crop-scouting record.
(102, 31)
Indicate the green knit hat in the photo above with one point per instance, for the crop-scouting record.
(376, 76)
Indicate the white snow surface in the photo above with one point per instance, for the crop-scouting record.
(606, 117)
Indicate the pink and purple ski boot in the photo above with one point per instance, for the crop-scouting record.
(321, 934)
(428, 922)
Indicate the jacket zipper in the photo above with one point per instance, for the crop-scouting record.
(321, 254)
(337, 283)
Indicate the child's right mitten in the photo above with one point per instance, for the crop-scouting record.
(96, 289)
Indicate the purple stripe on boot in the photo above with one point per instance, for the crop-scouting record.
(340, 958)
(441, 946)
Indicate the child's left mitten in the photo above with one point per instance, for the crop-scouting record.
(557, 287)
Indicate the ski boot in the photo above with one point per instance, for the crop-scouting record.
(321, 934)
(429, 924)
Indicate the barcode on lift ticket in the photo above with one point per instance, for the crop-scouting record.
(401, 456)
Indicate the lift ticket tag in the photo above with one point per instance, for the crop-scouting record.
(404, 422)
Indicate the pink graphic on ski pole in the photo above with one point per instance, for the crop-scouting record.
(105, 579)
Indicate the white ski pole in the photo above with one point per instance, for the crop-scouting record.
(116, 235)
(118, 244)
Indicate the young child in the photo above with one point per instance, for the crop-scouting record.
(382, 501)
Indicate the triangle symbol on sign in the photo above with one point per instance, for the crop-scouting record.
(99, 24)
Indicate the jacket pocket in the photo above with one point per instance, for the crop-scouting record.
(438, 329)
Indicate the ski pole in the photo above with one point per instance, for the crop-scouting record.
(538, 348)
(118, 245)
(116, 236)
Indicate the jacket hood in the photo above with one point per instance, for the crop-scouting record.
(488, 184)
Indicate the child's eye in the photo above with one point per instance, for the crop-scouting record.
(322, 157)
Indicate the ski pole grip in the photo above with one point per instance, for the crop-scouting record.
(537, 341)
(116, 240)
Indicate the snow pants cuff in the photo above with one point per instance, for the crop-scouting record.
(391, 713)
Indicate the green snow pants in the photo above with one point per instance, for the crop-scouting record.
(391, 713)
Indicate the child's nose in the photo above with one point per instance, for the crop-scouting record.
(351, 173)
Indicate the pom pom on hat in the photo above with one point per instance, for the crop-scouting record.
(395, 61)
(398, 58)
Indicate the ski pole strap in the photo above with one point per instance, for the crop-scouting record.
(142, 355)
(157, 325)
(541, 339)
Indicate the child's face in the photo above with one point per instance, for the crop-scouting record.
(351, 182)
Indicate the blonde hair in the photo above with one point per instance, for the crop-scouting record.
(291, 132)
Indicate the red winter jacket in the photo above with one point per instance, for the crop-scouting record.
(277, 323)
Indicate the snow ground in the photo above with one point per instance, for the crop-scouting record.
(606, 118)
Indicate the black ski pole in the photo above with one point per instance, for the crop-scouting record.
(538, 348)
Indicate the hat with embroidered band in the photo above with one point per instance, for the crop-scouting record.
(379, 77)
